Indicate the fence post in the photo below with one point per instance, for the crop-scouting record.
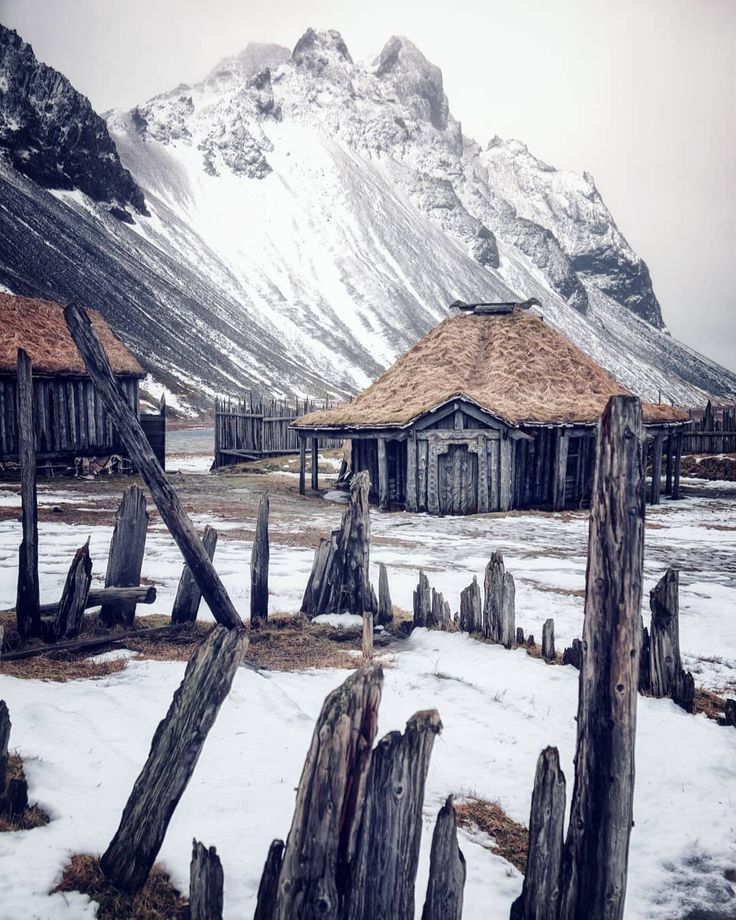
(70, 613)
(27, 603)
(471, 614)
(259, 561)
(385, 608)
(499, 604)
(447, 871)
(205, 884)
(188, 596)
(125, 559)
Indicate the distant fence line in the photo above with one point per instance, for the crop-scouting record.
(713, 433)
(252, 428)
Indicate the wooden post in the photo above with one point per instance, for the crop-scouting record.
(315, 464)
(368, 635)
(597, 846)
(268, 889)
(499, 605)
(385, 608)
(391, 827)
(471, 613)
(540, 895)
(664, 635)
(447, 871)
(422, 601)
(668, 466)
(329, 801)
(259, 560)
(729, 712)
(302, 464)
(562, 442)
(69, 616)
(5, 727)
(27, 604)
(175, 750)
(439, 614)
(574, 654)
(678, 464)
(165, 497)
(548, 640)
(188, 596)
(206, 881)
(125, 560)
(656, 468)
(383, 492)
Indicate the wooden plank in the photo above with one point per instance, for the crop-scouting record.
(315, 465)
(206, 881)
(666, 676)
(68, 620)
(27, 602)
(125, 559)
(601, 817)
(677, 464)
(562, 442)
(188, 595)
(302, 464)
(499, 608)
(505, 475)
(383, 486)
(656, 469)
(165, 497)
(259, 561)
(175, 750)
(412, 503)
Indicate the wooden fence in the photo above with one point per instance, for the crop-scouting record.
(713, 431)
(253, 427)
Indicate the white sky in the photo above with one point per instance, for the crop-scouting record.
(641, 93)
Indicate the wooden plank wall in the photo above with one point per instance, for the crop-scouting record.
(68, 417)
(714, 433)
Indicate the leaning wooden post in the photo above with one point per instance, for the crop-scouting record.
(206, 882)
(188, 596)
(268, 889)
(28, 598)
(540, 894)
(329, 800)
(385, 608)
(70, 613)
(259, 559)
(162, 492)
(548, 640)
(447, 871)
(666, 676)
(175, 750)
(125, 559)
(597, 846)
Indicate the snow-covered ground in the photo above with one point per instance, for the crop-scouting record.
(85, 741)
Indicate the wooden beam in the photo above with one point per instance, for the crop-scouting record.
(259, 561)
(302, 464)
(27, 604)
(125, 558)
(162, 492)
(656, 468)
(562, 442)
(315, 465)
(383, 490)
(188, 596)
(669, 463)
(677, 464)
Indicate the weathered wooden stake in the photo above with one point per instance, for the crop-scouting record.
(175, 750)
(519, 635)
(27, 603)
(125, 560)
(440, 616)
(329, 801)
(499, 606)
(422, 601)
(540, 895)
(206, 880)
(385, 608)
(597, 846)
(315, 464)
(387, 844)
(68, 621)
(548, 640)
(368, 635)
(5, 726)
(447, 871)
(471, 613)
(163, 494)
(664, 635)
(188, 596)
(268, 889)
(259, 559)
(729, 712)
(574, 654)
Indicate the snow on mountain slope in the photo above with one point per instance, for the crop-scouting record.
(309, 218)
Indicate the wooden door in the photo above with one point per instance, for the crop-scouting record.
(457, 480)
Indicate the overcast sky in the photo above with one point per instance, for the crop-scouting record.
(641, 93)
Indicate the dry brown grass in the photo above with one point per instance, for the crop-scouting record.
(33, 816)
(511, 839)
(60, 669)
(515, 366)
(158, 900)
(709, 703)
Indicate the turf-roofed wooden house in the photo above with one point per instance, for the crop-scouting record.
(492, 410)
(69, 419)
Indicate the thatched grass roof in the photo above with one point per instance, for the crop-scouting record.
(38, 326)
(514, 366)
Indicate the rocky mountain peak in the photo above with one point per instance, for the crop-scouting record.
(254, 58)
(416, 81)
(318, 50)
(50, 133)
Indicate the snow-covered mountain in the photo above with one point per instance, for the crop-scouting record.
(307, 218)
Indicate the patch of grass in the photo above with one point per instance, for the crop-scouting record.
(510, 839)
(33, 815)
(159, 899)
(295, 643)
(61, 669)
(709, 703)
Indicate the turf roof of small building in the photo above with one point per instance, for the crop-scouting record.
(38, 326)
(513, 365)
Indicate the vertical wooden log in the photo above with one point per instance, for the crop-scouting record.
(302, 464)
(259, 561)
(447, 871)
(367, 643)
(540, 894)
(188, 596)
(422, 601)
(383, 491)
(644, 679)
(175, 750)
(317, 588)
(499, 604)
(387, 845)
(206, 882)
(5, 726)
(519, 635)
(471, 613)
(574, 654)
(136, 443)
(656, 468)
(729, 712)
(125, 560)
(597, 846)
(677, 464)
(668, 463)
(548, 640)
(562, 442)
(70, 614)
(315, 465)
(664, 636)
(268, 889)
(385, 608)
(329, 801)
(27, 603)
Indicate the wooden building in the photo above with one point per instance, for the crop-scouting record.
(69, 419)
(492, 410)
